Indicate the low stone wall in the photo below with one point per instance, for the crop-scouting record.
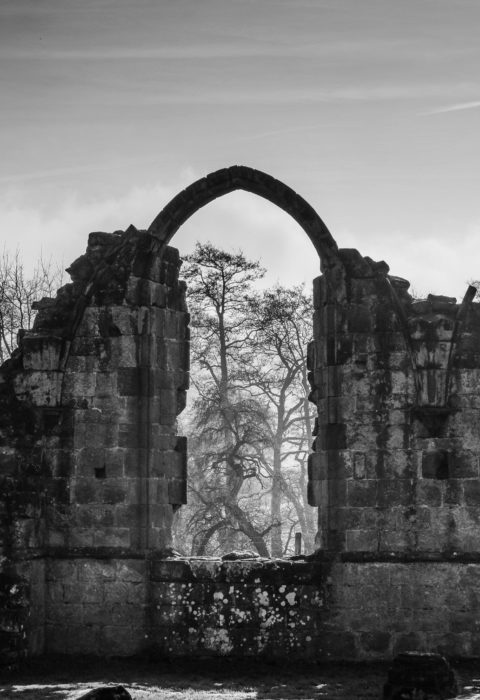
(241, 608)
(383, 608)
(191, 607)
(95, 606)
(282, 609)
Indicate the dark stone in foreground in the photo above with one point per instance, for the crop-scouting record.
(117, 692)
(420, 675)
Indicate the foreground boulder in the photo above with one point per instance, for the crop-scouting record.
(415, 675)
(116, 692)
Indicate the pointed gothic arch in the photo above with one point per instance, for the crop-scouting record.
(238, 177)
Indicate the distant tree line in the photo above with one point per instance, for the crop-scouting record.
(18, 292)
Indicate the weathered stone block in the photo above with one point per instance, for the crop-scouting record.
(79, 384)
(360, 318)
(128, 515)
(395, 492)
(41, 388)
(129, 380)
(337, 492)
(317, 466)
(85, 491)
(171, 570)
(336, 645)
(472, 493)
(8, 460)
(81, 537)
(132, 435)
(396, 541)
(96, 516)
(435, 464)
(155, 488)
(177, 491)
(89, 459)
(362, 540)
(161, 516)
(106, 386)
(376, 641)
(359, 465)
(319, 292)
(114, 490)
(317, 493)
(60, 463)
(114, 462)
(90, 592)
(463, 465)
(57, 570)
(430, 494)
(116, 592)
(311, 356)
(362, 493)
(339, 409)
(332, 436)
(143, 292)
(41, 352)
(72, 639)
(136, 461)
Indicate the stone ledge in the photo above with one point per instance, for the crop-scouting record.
(321, 556)
(397, 557)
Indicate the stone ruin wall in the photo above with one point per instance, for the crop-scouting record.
(90, 462)
(396, 381)
(91, 472)
(395, 467)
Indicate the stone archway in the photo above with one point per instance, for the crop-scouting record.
(238, 177)
(215, 185)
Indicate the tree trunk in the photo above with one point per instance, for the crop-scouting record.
(228, 537)
(276, 503)
(247, 528)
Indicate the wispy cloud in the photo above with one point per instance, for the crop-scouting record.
(62, 231)
(238, 220)
(453, 108)
(154, 53)
(210, 48)
(75, 170)
(271, 95)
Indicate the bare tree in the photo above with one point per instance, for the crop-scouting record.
(18, 291)
(283, 330)
(228, 432)
(249, 424)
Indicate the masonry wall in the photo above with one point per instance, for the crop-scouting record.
(90, 462)
(395, 466)
(381, 608)
(317, 610)
(193, 607)
(92, 470)
(96, 606)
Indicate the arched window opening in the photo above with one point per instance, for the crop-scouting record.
(248, 419)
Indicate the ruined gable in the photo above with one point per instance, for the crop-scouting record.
(92, 470)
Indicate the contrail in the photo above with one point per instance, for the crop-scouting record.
(453, 108)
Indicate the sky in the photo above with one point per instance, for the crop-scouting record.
(369, 109)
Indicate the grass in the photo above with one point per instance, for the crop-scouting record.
(63, 679)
